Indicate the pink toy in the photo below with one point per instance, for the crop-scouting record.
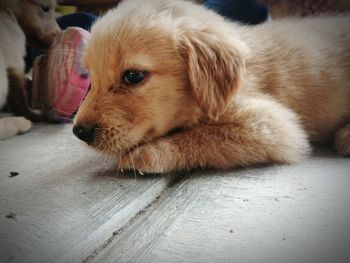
(60, 82)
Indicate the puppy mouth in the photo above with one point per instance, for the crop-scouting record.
(131, 149)
(115, 146)
(116, 151)
(144, 142)
(122, 147)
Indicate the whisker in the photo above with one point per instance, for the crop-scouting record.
(61, 111)
(108, 157)
(147, 142)
(64, 50)
(66, 119)
(132, 160)
(143, 159)
(119, 163)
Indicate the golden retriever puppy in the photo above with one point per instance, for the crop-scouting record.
(176, 87)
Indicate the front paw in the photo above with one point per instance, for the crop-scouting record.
(21, 124)
(147, 159)
(10, 126)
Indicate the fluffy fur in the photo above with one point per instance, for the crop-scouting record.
(217, 94)
(17, 20)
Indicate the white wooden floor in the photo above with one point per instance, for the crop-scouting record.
(68, 205)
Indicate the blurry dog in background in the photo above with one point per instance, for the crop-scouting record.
(176, 87)
(35, 22)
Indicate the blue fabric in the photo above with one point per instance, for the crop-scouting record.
(83, 20)
(244, 11)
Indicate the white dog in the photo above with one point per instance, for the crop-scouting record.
(18, 19)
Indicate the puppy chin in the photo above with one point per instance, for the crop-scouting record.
(116, 153)
(111, 146)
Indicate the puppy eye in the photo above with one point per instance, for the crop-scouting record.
(45, 8)
(132, 77)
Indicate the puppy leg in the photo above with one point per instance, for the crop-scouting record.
(10, 126)
(260, 132)
(18, 99)
(342, 140)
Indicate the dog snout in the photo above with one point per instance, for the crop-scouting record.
(85, 133)
(52, 38)
(54, 33)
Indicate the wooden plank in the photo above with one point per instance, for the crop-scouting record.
(297, 213)
(66, 200)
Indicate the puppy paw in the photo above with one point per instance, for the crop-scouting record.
(342, 140)
(22, 124)
(10, 126)
(147, 159)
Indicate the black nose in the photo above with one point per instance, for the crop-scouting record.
(85, 133)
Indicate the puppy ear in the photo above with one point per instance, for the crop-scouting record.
(215, 63)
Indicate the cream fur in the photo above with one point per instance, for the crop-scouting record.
(12, 52)
(41, 27)
(241, 95)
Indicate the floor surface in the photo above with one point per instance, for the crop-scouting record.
(68, 204)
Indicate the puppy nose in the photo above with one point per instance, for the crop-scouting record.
(85, 133)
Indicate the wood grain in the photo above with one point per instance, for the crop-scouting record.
(67, 205)
(67, 199)
(276, 214)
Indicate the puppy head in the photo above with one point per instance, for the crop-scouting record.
(155, 68)
(37, 20)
